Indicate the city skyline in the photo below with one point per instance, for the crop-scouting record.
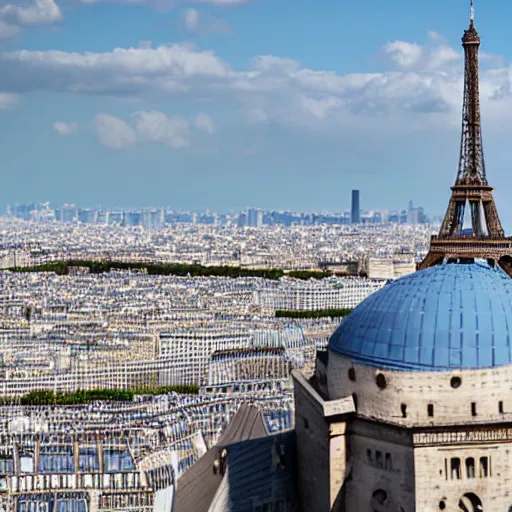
(156, 216)
(285, 121)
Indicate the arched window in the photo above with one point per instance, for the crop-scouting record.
(381, 381)
(470, 467)
(484, 467)
(379, 498)
(471, 503)
(455, 468)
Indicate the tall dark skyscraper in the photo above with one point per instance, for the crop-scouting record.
(356, 211)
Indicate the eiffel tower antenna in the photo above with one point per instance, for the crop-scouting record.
(471, 227)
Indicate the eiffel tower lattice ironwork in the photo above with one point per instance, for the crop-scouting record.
(471, 227)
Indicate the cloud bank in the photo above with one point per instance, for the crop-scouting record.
(422, 85)
(14, 17)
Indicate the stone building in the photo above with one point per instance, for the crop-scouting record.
(410, 409)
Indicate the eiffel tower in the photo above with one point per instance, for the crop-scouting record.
(471, 227)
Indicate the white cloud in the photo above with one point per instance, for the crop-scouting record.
(155, 126)
(65, 129)
(435, 55)
(403, 53)
(149, 126)
(204, 123)
(121, 71)
(204, 23)
(14, 17)
(320, 108)
(191, 19)
(114, 133)
(422, 84)
(7, 99)
(8, 30)
(168, 4)
(224, 2)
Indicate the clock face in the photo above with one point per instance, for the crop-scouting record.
(470, 503)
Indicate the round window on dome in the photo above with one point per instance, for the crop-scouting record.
(455, 382)
(381, 380)
(352, 374)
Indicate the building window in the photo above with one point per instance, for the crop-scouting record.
(26, 463)
(56, 458)
(470, 467)
(387, 462)
(71, 506)
(6, 466)
(381, 381)
(455, 469)
(88, 459)
(117, 460)
(352, 374)
(500, 407)
(473, 408)
(430, 410)
(455, 382)
(369, 456)
(403, 408)
(379, 497)
(484, 467)
(378, 459)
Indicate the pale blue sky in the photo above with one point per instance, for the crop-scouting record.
(224, 104)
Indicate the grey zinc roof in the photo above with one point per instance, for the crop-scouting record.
(197, 487)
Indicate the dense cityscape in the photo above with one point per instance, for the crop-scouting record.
(189, 351)
(256, 360)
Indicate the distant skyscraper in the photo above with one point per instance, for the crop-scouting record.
(254, 218)
(356, 211)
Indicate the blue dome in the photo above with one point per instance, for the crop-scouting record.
(454, 316)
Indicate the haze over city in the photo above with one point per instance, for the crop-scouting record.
(222, 105)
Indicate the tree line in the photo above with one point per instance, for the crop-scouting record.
(49, 397)
(165, 269)
(175, 269)
(318, 313)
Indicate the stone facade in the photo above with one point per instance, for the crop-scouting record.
(409, 442)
